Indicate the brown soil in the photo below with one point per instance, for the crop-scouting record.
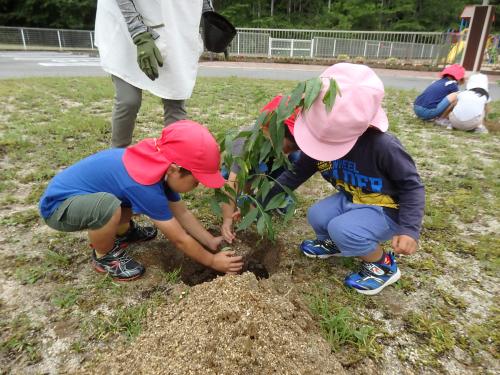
(231, 325)
(261, 258)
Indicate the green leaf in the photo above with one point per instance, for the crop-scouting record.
(214, 204)
(248, 219)
(261, 225)
(313, 87)
(275, 201)
(296, 95)
(264, 151)
(331, 94)
(264, 189)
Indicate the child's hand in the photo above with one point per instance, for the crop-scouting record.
(404, 244)
(226, 262)
(226, 230)
(215, 242)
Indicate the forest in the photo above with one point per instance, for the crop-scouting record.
(384, 15)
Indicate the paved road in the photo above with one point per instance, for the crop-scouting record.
(65, 64)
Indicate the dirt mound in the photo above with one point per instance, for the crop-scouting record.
(231, 325)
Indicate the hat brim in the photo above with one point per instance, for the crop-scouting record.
(380, 120)
(328, 151)
(210, 180)
(316, 148)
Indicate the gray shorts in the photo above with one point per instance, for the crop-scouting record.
(88, 211)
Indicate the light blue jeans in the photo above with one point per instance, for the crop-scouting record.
(356, 229)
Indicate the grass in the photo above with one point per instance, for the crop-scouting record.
(445, 299)
(341, 329)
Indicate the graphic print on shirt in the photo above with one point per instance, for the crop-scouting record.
(344, 175)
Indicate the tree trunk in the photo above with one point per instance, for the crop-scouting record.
(272, 8)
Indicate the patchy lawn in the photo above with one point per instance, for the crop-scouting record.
(58, 315)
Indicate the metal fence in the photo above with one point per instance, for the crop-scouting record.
(430, 48)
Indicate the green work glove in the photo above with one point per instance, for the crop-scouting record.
(148, 55)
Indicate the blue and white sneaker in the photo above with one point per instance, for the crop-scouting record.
(373, 277)
(319, 248)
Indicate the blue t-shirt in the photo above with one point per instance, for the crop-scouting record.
(105, 172)
(436, 92)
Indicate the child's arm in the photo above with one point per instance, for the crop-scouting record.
(192, 225)
(223, 262)
(411, 197)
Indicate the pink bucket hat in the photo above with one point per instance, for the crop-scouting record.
(329, 136)
(185, 143)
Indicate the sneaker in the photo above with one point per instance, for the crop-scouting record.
(444, 122)
(319, 248)
(136, 233)
(373, 277)
(118, 265)
(481, 129)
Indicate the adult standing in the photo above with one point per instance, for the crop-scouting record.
(151, 45)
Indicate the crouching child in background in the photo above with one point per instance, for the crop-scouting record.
(438, 99)
(101, 192)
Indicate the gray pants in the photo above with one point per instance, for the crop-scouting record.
(128, 100)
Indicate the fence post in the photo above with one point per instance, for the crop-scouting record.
(312, 48)
(269, 47)
(378, 50)
(390, 50)
(22, 37)
(334, 47)
(366, 46)
(91, 40)
(59, 39)
(291, 48)
(238, 44)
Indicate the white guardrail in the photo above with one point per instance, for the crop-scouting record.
(431, 48)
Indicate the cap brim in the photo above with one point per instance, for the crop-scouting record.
(380, 120)
(210, 180)
(316, 149)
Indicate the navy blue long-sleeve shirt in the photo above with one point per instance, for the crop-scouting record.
(377, 171)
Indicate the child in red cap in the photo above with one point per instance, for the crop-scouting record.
(289, 148)
(438, 99)
(101, 192)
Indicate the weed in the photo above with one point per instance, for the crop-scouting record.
(125, 321)
(173, 277)
(65, 297)
(20, 337)
(339, 326)
(437, 333)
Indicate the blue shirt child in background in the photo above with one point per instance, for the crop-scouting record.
(438, 99)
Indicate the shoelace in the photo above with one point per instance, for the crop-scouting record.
(366, 271)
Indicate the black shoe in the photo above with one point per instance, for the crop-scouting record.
(118, 265)
(136, 233)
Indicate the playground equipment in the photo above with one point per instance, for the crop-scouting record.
(472, 39)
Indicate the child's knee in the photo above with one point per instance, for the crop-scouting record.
(314, 215)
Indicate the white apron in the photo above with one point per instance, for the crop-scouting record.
(179, 43)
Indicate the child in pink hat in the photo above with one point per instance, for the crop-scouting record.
(380, 195)
(100, 193)
(438, 99)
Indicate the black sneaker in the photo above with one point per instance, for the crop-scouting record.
(118, 265)
(136, 233)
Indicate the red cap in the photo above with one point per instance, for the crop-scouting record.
(457, 71)
(273, 105)
(185, 143)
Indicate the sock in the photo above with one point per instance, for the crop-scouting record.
(123, 228)
(384, 259)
